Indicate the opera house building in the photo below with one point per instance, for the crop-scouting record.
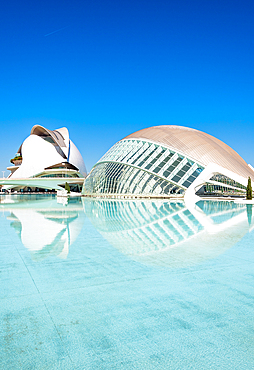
(168, 161)
(46, 159)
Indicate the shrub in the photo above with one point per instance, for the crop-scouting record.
(17, 158)
(67, 187)
(249, 190)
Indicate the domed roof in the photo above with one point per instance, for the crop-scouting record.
(196, 145)
(44, 149)
(59, 136)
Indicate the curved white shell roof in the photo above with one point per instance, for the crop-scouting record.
(76, 159)
(38, 153)
(197, 145)
(60, 136)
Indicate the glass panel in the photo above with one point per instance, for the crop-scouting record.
(182, 172)
(165, 160)
(135, 148)
(168, 171)
(116, 178)
(186, 184)
(176, 178)
(154, 160)
(140, 155)
(192, 177)
(146, 158)
(227, 181)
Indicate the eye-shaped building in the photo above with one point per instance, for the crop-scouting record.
(164, 160)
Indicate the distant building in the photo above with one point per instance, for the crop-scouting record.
(166, 160)
(46, 154)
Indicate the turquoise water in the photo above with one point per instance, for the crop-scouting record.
(111, 284)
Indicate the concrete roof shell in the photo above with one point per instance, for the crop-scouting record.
(56, 135)
(39, 154)
(197, 145)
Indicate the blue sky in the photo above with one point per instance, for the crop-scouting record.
(105, 69)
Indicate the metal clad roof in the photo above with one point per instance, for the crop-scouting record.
(197, 145)
(56, 134)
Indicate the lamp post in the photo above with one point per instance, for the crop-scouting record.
(3, 174)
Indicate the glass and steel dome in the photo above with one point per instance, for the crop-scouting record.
(166, 160)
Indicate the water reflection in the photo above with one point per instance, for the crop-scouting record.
(154, 232)
(169, 234)
(46, 226)
(249, 213)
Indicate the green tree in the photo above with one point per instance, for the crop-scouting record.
(249, 190)
(67, 187)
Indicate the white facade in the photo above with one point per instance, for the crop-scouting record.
(166, 160)
(47, 154)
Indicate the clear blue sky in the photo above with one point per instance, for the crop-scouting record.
(105, 69)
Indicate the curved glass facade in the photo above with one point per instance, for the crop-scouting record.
(117, 178)
(218, 177)
(221, 184)
(142, 167)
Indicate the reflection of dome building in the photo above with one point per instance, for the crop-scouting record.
(168, 159)
(156, 232)
(47, 154)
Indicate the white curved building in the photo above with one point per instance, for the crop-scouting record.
(50, 155)
(164, 160)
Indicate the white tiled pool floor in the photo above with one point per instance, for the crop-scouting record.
(100, 309)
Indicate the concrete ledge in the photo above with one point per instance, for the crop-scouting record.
(129, 196)
(244, 201)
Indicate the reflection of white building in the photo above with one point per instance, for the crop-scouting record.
(48, 158)
(169, 234)
(164, 160)
(45, 227)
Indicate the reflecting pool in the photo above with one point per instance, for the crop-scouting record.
(123, 284)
